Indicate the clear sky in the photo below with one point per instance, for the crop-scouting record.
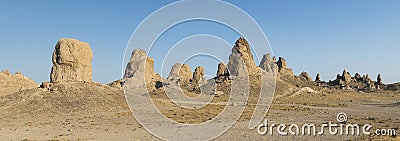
(312, 35)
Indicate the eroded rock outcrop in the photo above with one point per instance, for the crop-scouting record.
(222, 70)
(282, 67)
(318, 78)
(358, 82)
(304, 76)
(198, 75)
(346, 77)
(268, 64)
(241, 54)
(72, 61)
(11, 83)
(140, 65)
(181, 73)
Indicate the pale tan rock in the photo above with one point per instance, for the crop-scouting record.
(181, 73)
(185, 73)
(222, 70)
(72, 61)
(140, 65)
(346, 77)
(11, 83)
(241, 54)
(198, 75)
(266, 63)
(304, 76)
(117, 84)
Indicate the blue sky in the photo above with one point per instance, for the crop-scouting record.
(315, 36)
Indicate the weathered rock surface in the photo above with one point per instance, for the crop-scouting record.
(72, 61)
(181, 73)
(11, 83)
(222, 70)
(358, 82)
(198, 75)
(282, 68)
(241, 54)
(304, 76)
(140, 65)
(318, 78)
(117, 84)
(268, 64)
(346, 77)
(281, 63)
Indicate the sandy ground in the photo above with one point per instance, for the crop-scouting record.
(99, 112)
(379, 110)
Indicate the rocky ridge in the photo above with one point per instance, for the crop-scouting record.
(11, 83)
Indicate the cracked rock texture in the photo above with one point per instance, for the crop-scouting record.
(72, 61)
(11, 83)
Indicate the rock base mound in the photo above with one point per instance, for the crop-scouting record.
(63, 98)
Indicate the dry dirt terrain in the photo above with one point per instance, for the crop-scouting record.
(91, 111)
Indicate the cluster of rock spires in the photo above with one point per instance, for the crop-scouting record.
(357, 82)
(241, 54)
(72, 62)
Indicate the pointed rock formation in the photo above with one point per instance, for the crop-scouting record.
(282, 67)
(185, 73)
(72, 61)
(140, 65)
(379, 80)
(281, 63)
(338, 77)
(357, 77)
(241, 54)
(318, 78)
(174, 73)
(267, 63)
(304, 76)
(358, 82)
(198, 75)
(366, 78)
(346, 77)
(222, 70)
(181, 73)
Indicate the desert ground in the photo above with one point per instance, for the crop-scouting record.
(101, 113)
